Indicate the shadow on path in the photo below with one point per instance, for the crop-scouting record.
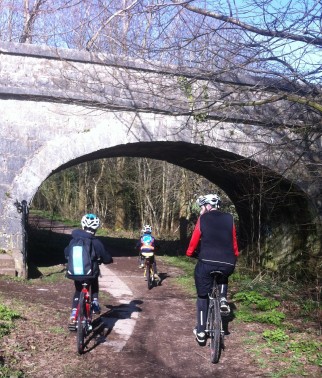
(125, 314)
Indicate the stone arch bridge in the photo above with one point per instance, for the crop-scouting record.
(60, 107)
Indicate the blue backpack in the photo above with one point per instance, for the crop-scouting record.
(81, 259)
(147, 241)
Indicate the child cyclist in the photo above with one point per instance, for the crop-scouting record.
(90, 223)
(147, 243)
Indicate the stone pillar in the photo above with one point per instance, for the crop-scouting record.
(12, 236)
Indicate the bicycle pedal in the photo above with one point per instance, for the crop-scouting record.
(72, 327)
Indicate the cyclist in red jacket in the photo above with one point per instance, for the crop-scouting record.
(216, 233)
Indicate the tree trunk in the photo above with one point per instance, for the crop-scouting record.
(82, 196)
(120, 214)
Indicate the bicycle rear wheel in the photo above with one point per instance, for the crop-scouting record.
(81, 324)
(148, 274)
(151, 277)
(215, 331)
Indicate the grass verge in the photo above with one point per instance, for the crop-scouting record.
(7, 318)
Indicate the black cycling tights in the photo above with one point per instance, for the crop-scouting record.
(78, 289)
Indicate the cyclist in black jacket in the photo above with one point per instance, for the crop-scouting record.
(90, 223)
(216, 233)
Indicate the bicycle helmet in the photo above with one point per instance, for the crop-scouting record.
(90, 221)
(213, 200)
(147, 229)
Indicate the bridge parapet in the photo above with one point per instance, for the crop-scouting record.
(113, 82)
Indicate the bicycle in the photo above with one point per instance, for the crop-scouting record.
(83, 317)
(214, 326)
(149, 268)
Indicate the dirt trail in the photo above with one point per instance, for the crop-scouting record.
(161, 345)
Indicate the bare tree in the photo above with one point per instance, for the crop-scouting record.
(30, 15)
(280, 41)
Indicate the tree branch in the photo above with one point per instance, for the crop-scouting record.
(265, 32)
(91, 42)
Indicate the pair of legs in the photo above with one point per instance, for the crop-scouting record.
(204, 283)
(141, 261)
(78, 288)
(93, 283)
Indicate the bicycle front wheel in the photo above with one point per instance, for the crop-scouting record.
(214, 331)
(81, 324)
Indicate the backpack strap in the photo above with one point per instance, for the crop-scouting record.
(94, 256)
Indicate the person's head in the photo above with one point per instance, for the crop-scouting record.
(147, 229)
(90, 223)
(208, 202)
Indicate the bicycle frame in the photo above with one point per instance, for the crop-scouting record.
(214, 327)
(83, 317)
(148, 268)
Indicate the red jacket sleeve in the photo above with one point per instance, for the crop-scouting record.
(195, 238)
(235, 245)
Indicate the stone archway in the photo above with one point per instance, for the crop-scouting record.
(68, 106)
(238, 181)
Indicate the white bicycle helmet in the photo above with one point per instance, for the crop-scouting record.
(213, 200)
(90, 221)
(147, 229)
